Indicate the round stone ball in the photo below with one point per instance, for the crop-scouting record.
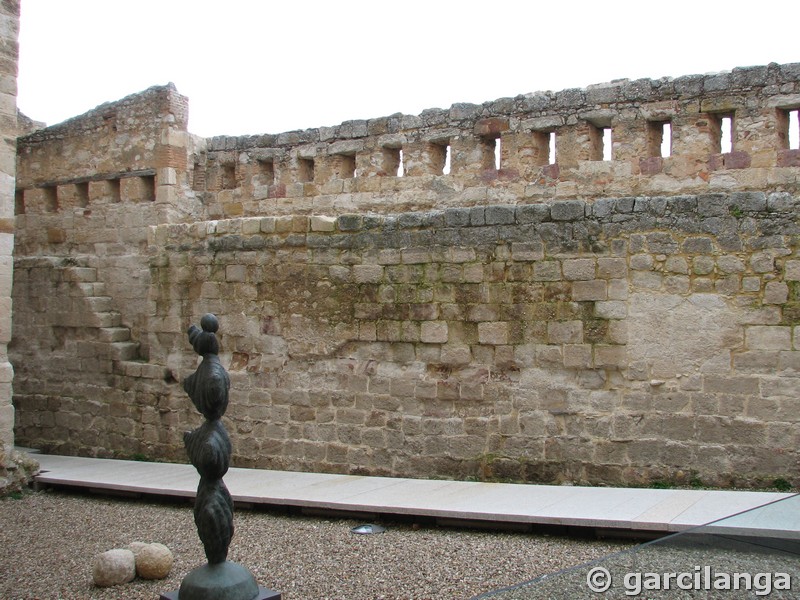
(209, 322)
(114, 567)
(136, 547)
(153, 561)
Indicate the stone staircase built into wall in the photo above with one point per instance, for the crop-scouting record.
(83, 317)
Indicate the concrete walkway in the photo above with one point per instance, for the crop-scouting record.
(654, 511)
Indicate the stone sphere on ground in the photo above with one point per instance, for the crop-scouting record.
(113, 567)
(153, 561)
(136, 547)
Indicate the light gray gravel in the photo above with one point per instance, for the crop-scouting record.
(651, 572)
(48, 540)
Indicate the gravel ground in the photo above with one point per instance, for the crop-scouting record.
(48, 540)
(718, 567)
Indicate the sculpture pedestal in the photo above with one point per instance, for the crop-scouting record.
(263, 594)
(222, 581)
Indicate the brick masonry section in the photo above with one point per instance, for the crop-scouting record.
(588, 321)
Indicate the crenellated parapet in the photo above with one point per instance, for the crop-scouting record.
(131, 150)
(692, 134)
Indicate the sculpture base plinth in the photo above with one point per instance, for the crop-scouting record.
(223, 581)
(263, 594)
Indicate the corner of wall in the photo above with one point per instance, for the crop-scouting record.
(9, 12)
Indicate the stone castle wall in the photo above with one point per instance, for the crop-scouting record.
(391, 302)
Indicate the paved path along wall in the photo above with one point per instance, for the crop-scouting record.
(395, 302)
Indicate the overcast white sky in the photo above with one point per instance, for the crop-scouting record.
(261, 66)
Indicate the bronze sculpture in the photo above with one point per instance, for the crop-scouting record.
(209, 450)
(208, 446)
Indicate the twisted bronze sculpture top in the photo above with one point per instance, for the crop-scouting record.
(208, 386)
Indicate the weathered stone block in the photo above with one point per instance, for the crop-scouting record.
(367, 273)
(792, 270)
(577, 356)
(612, 309)
(776, 292)
(677, 284)
(565, 332)
(499, 215)
(493, 333)
(768, 315)
(762, 262)
(768, 338)
(725, 430)
(536, 213)
(492, 126)
(251, 226)
(756, 361)
(676, 264)
(751, 284)
(641, 262)
(578, 269)
(703, 265)
(434, 332)
(423, 312)
(548, 270)
(235, 273)
(413, 256)
(570, 210)
(80, 274)
(729, 285)
(583, 291)
(651, 281)
(618, 332)
(618, 289)
(483, 312)
(731, 385)
(453, 354)
(610, 357)
(527, 251)
(612, 268)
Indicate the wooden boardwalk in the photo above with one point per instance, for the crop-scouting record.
(635, 510)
